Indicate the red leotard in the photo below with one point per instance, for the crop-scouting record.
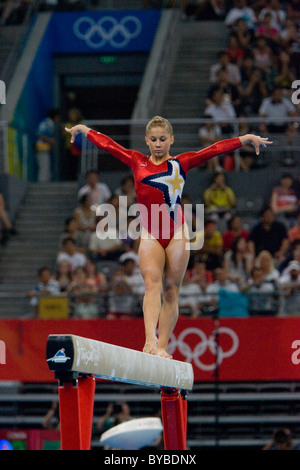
(159, 187)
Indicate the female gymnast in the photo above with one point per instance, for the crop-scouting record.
(159, 180)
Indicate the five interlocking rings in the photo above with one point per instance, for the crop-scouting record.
(206, 343)
(107, 30)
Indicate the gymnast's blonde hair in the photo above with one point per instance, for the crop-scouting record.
(158, 121)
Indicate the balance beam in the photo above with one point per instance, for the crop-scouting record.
(77, 361)
(115, 363)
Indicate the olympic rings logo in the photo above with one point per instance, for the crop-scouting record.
(107, 30)
(205, 344)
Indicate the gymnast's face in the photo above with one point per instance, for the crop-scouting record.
(159, 141)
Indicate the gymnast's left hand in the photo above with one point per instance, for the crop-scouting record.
(256, 141)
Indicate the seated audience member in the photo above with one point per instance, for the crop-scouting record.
(234, 230)
(131, 272)
(85, 216)
(281, 440)
(71, 254)
(263, 56)
(253, 87)
(122, 302)
(269, 32)
(81, 290)
(105, 243)
(212, 249)
(94, 277)
(289, 282)
(290, 42)
(276, 106)
(293, 254)
(269, 234)
(219, 199)
(244, 34)
(6, 227)
(127, 189)
(190, 296)
(233, 71)
(210, 133)
(284, 76)
(100, 192)
(115, 414)
(265, 262)
(284, 201)
(71, 230)
(278, 14)
(221, 281)
(234, 51)
(294, 232)
(231, 92)
(221, 111)
(198, 273)
(260, 293)
(238, 261)
(240, 9)
(46, 286)
(63, 275)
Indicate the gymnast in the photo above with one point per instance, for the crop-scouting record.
(159, 181)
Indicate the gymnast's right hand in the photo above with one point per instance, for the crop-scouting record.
(76, 129)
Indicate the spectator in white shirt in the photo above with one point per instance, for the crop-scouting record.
(240, 10)
(71, 255)
(46, 286)
(100, 192)
(289, 282)
(276, 106)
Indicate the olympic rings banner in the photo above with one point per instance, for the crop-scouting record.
(246, 349)
(103, 31)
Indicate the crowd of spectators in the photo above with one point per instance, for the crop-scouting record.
(253, 75)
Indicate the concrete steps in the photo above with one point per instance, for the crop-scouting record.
(39, 224)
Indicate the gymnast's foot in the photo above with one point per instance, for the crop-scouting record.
(163, 353)
(151, 347)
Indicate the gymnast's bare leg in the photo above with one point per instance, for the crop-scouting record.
(177, 258)
(152, 262)
(163, 271)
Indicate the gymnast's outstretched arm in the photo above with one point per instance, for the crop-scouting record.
(104, 142)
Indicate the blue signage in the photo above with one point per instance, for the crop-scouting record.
(103, 31)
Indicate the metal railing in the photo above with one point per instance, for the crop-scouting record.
(17, 148)
(286, 146)
(107, 302)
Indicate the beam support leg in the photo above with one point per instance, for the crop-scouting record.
(174, 418)
(76, 406)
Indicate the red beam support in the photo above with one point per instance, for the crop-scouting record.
(174, 419)
(76, 406)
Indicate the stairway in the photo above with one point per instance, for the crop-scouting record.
(39, 223)
(200, 43)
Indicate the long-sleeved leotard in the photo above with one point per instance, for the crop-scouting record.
(159, 187)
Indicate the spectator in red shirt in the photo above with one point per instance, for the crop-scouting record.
(234, 51)
(235, 230)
